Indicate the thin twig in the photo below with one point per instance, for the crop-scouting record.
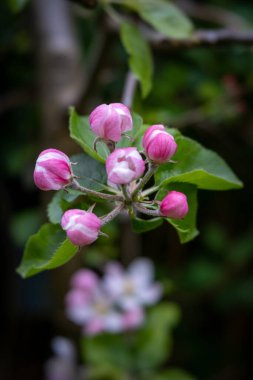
(212, 37)
(209, 37)
(129, 89)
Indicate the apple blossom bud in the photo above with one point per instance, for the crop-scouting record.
(109, 121)
(52, 170)
(82, 227)
(158, 144)
(124, 165)
(174, 205)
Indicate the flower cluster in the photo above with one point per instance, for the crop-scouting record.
(115, 302)
(127, 170)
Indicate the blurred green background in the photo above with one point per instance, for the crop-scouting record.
(207, 92)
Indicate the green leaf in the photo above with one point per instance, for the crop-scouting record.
(47, 249)
(198, 166)
(140, 61)
(135, 134)
(17, 5)
(81, 133)
(154, 341)
(186, 227)
(106, 351)
(106, 373)
(174, 374)
(141, 225)
(90, 172)
(164, 16)
(60, 203)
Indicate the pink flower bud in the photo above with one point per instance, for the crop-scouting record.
(82, 227)
(124, 165)
(109, 121)
(174, 205)
(158, 144)
(52, 170)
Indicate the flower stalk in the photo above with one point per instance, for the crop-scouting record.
(116, 211)
(151, 169)
(98, 194)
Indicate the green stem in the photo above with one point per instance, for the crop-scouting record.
(125, 193)
(146, 211)
(149, 191)
(109, 197)
(151, 169)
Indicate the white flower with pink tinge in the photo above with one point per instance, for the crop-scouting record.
(115, 302)
(133, 288)
(88, 305)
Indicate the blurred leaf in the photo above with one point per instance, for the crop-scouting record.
(215, 238)
(238, 294)
(203, 275)
(80, 132)
(173, 374)
(105, 373)
(60, 203)
(141, 225)
(47, 249)
(186, 227)
(199, 166)
(241, 251)
(140, 60)
(163, 16)
(106, 351)
(17, 5)
(154, 340)
(23, 224)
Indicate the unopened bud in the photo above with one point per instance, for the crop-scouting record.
(109, 121)
(82, 227)
(158, 144)
(174, 205)
(52, 170)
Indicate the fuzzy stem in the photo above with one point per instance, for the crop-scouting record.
(125, 193)
(146, 211)
(116, 211)
(109, 197)
(151, 169)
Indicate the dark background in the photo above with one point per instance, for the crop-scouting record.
(207, 93)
